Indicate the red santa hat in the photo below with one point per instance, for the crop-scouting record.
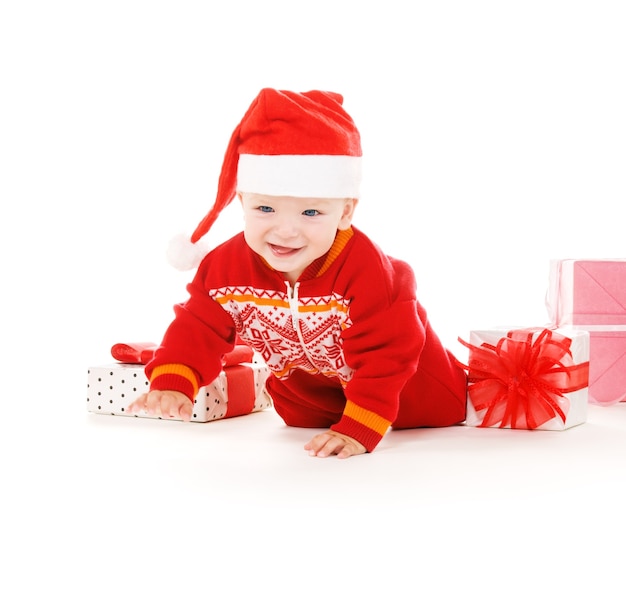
(287, 144)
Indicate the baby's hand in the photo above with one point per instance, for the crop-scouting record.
(163, 403)
(333, 443)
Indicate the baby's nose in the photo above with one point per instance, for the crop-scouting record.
(286, 228)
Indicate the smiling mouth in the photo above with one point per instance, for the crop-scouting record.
(282, 251)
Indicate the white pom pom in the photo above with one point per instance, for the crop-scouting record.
(183, 255)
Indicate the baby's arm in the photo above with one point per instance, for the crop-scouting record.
(163, 403)
(333, 443)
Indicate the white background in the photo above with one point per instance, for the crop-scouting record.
(494, 140)
(493, 137)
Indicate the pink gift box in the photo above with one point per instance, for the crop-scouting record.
(587, 292)
(607, 365)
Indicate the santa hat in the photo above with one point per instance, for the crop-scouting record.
(287, 144)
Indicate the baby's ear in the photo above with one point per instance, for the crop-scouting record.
(348, 213)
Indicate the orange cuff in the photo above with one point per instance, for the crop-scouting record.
(181, 371)
(369, 419)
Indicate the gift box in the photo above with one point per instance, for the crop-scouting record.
(607, 364)
(530, 378)
(587, 292)
(590, 295)
(238, 390)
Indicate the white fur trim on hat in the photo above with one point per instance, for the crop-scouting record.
(307, 176)
(183, 255)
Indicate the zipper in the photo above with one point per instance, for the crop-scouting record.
(292, 297)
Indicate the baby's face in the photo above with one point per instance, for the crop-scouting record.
(290, 233)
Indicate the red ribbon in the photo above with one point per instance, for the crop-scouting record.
(142, 353)
(138, 352)
(521, 382)
(241, 393)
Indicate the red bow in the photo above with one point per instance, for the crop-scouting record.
(521, 381)
(142, 353)
(138, 352)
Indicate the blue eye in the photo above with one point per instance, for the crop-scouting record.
(265, 209)
(310, 212)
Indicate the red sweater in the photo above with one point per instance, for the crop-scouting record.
(341, 344)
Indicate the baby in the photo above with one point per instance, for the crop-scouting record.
(337, 321)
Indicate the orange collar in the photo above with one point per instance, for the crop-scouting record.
(341, 240)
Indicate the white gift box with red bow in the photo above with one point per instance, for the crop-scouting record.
(531, 378)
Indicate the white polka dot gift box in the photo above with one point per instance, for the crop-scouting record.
(238, 390)
(530, 378)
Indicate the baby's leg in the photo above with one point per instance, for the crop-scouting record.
(307, 401)
(437, 394)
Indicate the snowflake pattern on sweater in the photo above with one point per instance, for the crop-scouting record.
(291, 333)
